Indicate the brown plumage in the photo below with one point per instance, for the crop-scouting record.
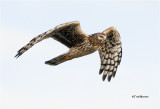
(70, 34)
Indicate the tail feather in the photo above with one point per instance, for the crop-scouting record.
(32, 42)
(58, 60)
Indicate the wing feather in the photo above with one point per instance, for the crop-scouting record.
(110, 55)
(68, 34)
(111, 61)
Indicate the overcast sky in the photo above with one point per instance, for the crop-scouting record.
(27, 83)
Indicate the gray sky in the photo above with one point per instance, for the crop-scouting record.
(27, 83)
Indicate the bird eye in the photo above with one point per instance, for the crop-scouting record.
(101, 36)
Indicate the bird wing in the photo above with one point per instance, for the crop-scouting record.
(68, 34)
(110, 56)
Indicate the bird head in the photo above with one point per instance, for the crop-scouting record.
(100, 37)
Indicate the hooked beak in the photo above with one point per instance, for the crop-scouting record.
(105, 37)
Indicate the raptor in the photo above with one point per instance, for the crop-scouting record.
(70, 34)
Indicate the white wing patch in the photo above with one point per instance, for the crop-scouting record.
(110, 59)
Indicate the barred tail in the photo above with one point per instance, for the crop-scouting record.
(33, 42)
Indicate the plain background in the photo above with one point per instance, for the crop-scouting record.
(27, 83)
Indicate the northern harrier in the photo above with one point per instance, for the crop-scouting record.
(107, 43)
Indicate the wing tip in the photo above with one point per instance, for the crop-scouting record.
(104, 77)
(17, 55)
(114, 73)
(109, 78)
(100, 71)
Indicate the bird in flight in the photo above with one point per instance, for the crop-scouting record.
(70, 34)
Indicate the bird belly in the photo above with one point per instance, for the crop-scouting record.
(82, 51)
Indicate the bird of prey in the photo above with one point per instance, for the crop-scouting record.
(70, 34)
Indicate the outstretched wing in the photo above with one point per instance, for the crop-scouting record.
(110, 55)
(69, 34)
